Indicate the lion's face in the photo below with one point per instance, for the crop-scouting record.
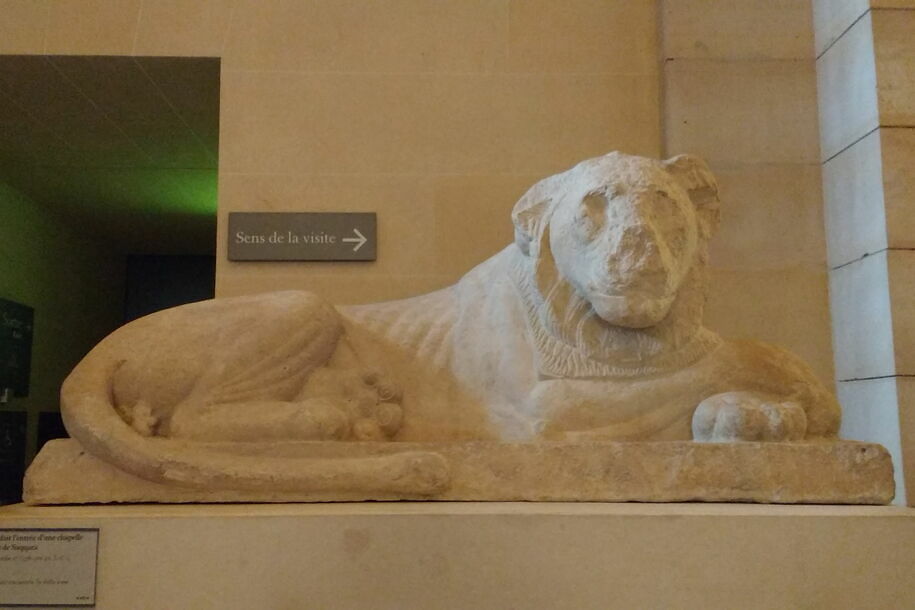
(624, 232)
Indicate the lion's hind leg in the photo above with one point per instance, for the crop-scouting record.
(183, 364)
(334, 405)
(267, 368)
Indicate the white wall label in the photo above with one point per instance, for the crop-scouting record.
(302, 236)
(48, 567)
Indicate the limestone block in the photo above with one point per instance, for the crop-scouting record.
(460, 555)
(93, 27)
(862, 325)
(469, 131)
(847, 87)
(582, 36)
(901, 275)
(741, 112)
(182, 27)
(744, 29)
(782, 305)
(22, 29)
(386, 123)
(773, 219)
(895, 60)
(676, 471)
(358, 36)
(905, 392)
(578, 114)
(897, 152)
(268, 116)
(472, 218)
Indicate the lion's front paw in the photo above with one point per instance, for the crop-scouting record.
(748, 416)
(380, 411)
(371, 400)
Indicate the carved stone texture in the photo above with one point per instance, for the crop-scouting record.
(588, 328)
(842, 472)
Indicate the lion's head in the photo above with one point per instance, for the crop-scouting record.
(620, 242)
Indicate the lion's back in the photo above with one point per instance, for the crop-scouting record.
(421, 325)
(426, 326)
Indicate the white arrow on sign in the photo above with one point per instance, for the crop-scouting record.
(359, 240)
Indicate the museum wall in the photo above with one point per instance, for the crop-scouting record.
(74, 284)
(438, 115)
(435, 115)
(739, 86)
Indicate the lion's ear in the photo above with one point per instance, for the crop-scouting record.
(530, 213)
(696, 177)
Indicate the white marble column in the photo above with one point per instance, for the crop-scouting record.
(866, 81)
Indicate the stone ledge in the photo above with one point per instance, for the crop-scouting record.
(842, 472)
(458, 555)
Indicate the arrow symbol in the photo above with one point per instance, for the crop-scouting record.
(359, 240)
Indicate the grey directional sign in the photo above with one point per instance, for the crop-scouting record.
(302, 236)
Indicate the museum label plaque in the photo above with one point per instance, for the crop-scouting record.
(302, 236)
(48, 567)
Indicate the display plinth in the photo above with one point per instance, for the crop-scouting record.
(841, 472)
(493, 555)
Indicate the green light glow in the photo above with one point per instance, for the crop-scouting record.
(145, 210)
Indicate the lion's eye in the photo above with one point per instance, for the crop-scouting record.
(594, 206)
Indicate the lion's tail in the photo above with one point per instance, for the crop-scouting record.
(90, 417)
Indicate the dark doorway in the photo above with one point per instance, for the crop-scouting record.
(108, 170)
(155, 282)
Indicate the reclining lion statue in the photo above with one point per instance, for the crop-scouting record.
(588, 327)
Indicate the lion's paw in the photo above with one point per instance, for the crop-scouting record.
(748, 416)
(371, 400)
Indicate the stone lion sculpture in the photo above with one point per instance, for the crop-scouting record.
(588, 327)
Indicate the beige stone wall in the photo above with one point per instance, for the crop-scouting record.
(435, 115)
(739, 85)
(467, 556)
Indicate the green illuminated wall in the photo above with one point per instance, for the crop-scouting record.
(74, 283)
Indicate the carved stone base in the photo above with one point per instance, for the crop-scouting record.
(843, 472)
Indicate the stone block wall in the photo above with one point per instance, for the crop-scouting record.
(739, 88)
(436, 115)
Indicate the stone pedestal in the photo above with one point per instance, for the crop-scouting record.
(493, 555)
(841, 472)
